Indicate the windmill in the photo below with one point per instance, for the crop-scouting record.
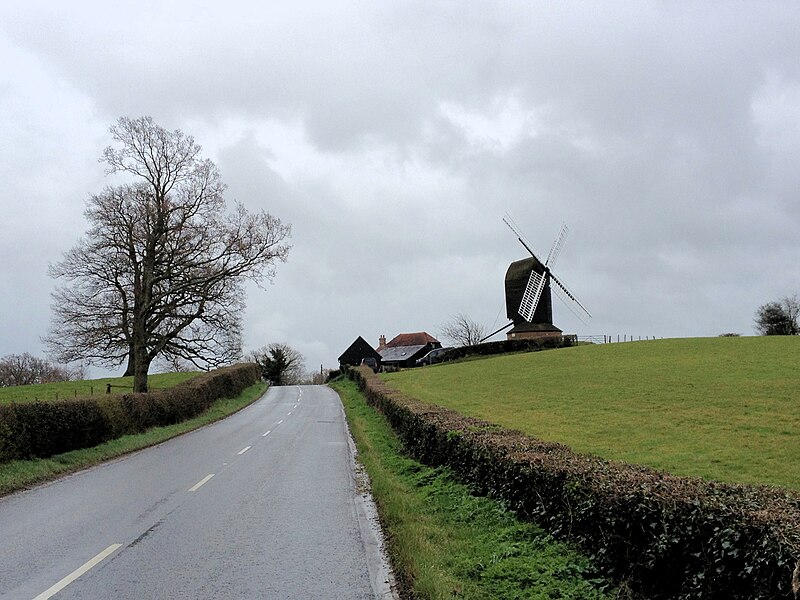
(528, 284)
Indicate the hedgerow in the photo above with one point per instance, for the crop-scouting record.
(660, 535)
(506, 346)
(44, 428)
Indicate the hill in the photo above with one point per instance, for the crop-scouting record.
(719, 408)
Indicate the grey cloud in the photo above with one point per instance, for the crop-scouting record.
(665, 134)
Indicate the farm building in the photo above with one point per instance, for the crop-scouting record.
(404, 350)
(358, 351)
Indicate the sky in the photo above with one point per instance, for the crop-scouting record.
(394, 137)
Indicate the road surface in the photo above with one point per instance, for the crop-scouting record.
(261, 505)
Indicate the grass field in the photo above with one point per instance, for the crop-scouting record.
(90, 387)
(719, 408)
(445, 543)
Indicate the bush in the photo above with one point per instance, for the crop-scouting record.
(505, 346)
(41, 429)
(47, 428)
(661, 535)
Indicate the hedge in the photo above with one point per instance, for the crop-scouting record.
(659, 535)
(44, 428)
(506, 346)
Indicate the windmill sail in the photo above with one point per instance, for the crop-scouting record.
(533, 291)
(521, 238)
(569, 299)
(537, 282)
(557, 245)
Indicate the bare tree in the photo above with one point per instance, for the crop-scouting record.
(175, 364)
(161, 270)
(462, 331)
(280, 364)
(26, 369)
(318, 377)
(779, 318)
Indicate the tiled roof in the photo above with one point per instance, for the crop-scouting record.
(412, 339)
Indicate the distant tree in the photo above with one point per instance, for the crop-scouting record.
(280, 364)
(176, 364)
(462, 331)
(318, 377)
(26, 369)
(779, 318)
(162, 268)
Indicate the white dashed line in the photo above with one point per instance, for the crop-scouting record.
(287, 414)
(53, 590)
(279, 422)
(266, 433)
(197, 485)
(245, 449)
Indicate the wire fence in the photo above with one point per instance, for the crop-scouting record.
(608, 339)
(47, 392)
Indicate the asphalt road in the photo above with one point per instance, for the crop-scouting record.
(261, 505)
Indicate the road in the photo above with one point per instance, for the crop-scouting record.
(260, 505)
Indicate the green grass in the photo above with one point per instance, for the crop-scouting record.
(718, 408)
(446, 543)
(19, 474)
(89, 387)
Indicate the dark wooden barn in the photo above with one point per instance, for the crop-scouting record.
(358, 350)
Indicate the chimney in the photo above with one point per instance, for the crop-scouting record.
(381, 342)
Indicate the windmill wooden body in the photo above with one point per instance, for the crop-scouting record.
(541, 320)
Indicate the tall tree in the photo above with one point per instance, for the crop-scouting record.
(160, 272)
(462, 331)
(280, 364)
(779, 318)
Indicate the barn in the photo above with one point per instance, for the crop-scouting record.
(358, 350)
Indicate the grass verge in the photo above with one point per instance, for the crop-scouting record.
(444, 542)
(717, 408)
(20, 474)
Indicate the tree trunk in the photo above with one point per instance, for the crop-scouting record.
(140, 369)
(129, 369)
(139, 355)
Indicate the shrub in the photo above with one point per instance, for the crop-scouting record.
(663, 536)
(47, 428)
(505, 346)
(41, 429)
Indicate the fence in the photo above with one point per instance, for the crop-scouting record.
(608, 339)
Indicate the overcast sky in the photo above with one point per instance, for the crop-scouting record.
(394, 136)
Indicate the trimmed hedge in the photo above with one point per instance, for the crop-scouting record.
(658, 535)
(506, 346)
(44, 428)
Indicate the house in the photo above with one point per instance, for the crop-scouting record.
(404, 350)
(358, 351)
